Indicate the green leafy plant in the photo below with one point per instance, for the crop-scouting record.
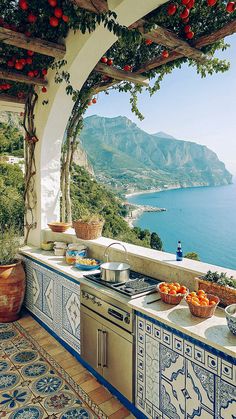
(220, 279)
(92, 218)
(192, 255)
(9, 246)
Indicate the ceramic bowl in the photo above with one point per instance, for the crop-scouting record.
(59, 227)
(79, 265)
(230, 312)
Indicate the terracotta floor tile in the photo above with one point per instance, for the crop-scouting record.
(100, 395)
(111, 406)
(90, 385)
(120, 414)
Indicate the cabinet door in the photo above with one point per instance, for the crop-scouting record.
(117, 362)
(91, 335)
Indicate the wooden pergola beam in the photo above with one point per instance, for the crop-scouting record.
(121, 75)
(95, 6)
(9, 98)
(170, 40)
(41, 46)
(226, 30)
(21, 78)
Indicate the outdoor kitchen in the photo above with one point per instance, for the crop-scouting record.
(153, 356)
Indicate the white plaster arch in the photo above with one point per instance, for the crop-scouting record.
(82, 54)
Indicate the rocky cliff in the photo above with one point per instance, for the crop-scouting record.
(126, 157)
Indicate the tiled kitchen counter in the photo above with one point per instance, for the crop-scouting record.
(184, 366)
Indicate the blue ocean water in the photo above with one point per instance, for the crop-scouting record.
(203, 218)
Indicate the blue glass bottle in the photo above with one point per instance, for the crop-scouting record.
(179, 252)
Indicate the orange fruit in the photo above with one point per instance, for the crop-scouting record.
(195, 303)
(205, 300)
(182, 289)
(201, 292)
(176, 284)
(165, 290)
(193, 294)
(203, 303)
(172, 292)
(212, 303)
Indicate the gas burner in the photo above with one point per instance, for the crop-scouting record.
(137, 285)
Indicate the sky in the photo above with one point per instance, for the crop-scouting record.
(187, 107)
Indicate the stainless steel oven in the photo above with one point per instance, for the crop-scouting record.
(107, 338)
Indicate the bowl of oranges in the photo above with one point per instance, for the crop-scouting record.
(172, 293)
(202, 304)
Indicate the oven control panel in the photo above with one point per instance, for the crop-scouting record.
(109, 311)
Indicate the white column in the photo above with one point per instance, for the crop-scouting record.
(82, 54)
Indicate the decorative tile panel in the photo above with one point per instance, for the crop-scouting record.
(46, 290)
(178, 377)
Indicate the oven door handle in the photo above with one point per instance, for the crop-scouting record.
(99, 363)
(104, 348)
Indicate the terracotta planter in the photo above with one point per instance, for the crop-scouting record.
(12, 291)
(227, 295)
(88, 231)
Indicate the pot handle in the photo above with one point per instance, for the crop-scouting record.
(106, 253)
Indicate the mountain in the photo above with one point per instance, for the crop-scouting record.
(127, 158)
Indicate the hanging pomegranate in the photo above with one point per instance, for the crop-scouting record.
(30, 73)
(30, 53)
(230, 8)
(44, 89)
(44, 71)
(94, 100)
(53, 21)
(104, 60)
(52, 3)
(65, 18)
(127, 67)
(148, 41)
(171, 9)
(185, 13)
(18, 65)
(211, 3)
(165, 54)
(190, 35)
(58, 12)
(31, 18)
(23, 5)
(109, 62)
(29, 60)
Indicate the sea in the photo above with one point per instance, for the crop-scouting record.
(203, 218)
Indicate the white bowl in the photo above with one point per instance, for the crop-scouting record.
(230, 312)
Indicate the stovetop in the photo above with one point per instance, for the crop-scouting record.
(137, 285)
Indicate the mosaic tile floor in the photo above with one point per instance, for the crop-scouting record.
(33, 385)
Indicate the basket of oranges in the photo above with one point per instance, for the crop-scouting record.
(172, 293)
(202, 304)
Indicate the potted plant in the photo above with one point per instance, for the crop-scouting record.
(12, 277)
(219, 284)
(89, 227)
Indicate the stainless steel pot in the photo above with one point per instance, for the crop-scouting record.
(115, 271)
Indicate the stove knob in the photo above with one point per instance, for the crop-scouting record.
(99, 303)
(127, 320)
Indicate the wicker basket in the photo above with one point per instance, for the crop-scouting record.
(170, 298)
(227, 295)
(88, 231)
(204, 311)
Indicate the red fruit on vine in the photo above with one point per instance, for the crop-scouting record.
(32, 18)
(109, 61)
(186, 20)
(30, 53)
(65, 18)
(211, 2)
(10, 63)
(7, 86)
(58, 12)
(18, 65)
(44, 89)
(30, 73)
(190, 35)
(127, 67)
(171, 9)
(185, 13)
(29, 60)
(90, 103)
(190, 4)
(104, 60)
(36, 73)
(52, 3)
(44, 71)
(23, 5)
(165, 54)
(148, 41)
(185, 2)
(230, 8)
(94, 100)
(54, 22)
(187, 28)
(23, 61)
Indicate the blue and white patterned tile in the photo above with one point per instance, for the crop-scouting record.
(227, 371)
(148, 327)
(226, 400)
(199, 354)
(178, 344)
(157, 332)
(37, 289)
(167, 338)
(211, 362)
(188, 350)
(48, 293)
(172, 401)
(152, 370)
(200, 390)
